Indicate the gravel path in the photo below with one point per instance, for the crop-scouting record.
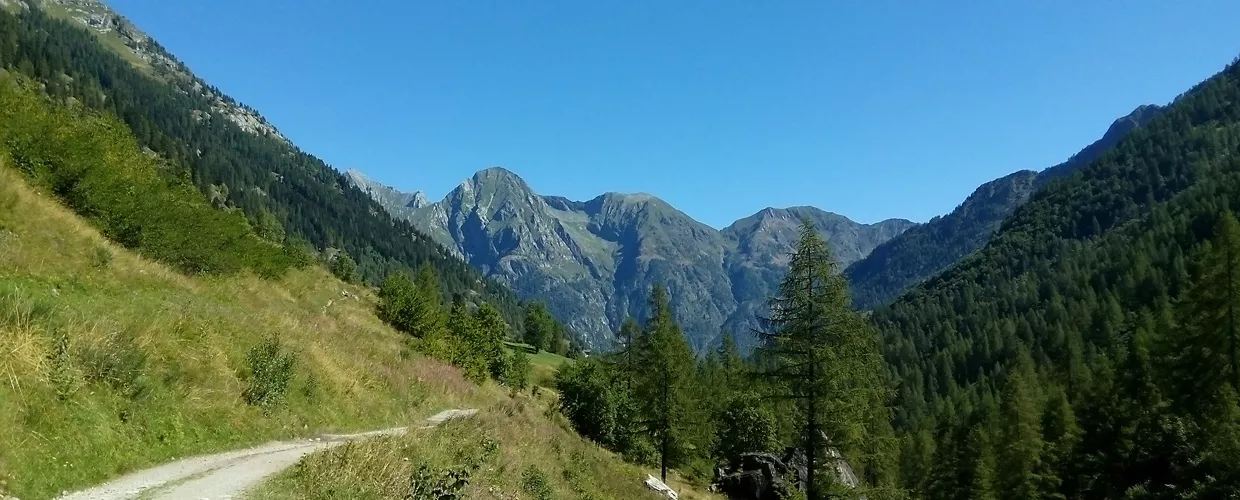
(230, 474)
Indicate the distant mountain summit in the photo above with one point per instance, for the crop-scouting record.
(397, 202)
(595, 261)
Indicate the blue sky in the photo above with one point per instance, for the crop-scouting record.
(871, 109)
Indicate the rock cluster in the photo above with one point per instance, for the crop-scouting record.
(766, 476)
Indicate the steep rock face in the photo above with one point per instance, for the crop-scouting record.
(925, 250)
(594, 262)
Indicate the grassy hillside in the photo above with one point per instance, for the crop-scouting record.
(110, 361)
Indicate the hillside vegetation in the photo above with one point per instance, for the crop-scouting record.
(221, 147)
(1087, 351)
(114, 361)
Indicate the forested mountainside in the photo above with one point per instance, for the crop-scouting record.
(1086, 351)
(83, 51)
(929, 248)
(595, 262)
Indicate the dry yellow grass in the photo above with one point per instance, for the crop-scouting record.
(110, 362)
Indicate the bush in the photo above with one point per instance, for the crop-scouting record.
(534, 482)
(344, 267)
(428, 484)
(270, 372)
(101, 257)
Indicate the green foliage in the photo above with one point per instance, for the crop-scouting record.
(823, 356)
(426, 483)
(539, 326)
(101, 258)
(518, 375)
(268, 226)
(270, 370)
(595, 402)
(61, 365)
(745, 426)
(662, 387)
(93, 165)
(119, 363)
(1210, 347)
(1096, 318)
(535, 483)
(415, 308)
(343, 267)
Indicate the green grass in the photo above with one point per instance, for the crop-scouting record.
(543, 365)
(110, 362)
(512, 441)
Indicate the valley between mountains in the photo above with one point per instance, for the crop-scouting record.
(594, 262)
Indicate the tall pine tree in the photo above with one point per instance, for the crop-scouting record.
(1212, 338)
(662, 386)
(824, 356)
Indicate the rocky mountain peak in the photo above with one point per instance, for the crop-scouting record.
(594, 262)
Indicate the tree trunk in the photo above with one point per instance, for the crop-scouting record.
(811, 446)
(666, 424)
(1231, 317)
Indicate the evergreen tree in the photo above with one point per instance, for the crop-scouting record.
(982, 477)
(662, 386)
(518, 374)
(824, 356)
(488, 343)
(1211, 352)
(1020, 457)
(464, 332)
(629, 333)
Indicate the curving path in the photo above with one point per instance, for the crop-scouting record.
(229, 474)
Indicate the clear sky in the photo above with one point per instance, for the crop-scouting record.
(872, 109)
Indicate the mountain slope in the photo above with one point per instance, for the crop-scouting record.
(926, 250)
(116, 363)
(1076, 292)
(594, 262)
(226, 149)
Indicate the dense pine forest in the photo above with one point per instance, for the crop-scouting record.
(267, 179)
(1088, 350)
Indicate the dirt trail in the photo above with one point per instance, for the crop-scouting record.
(228, 475)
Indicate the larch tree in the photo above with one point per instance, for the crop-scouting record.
(1211, 341)
(823, 355)
(662, 386)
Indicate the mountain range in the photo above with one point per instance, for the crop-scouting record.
(594, 262)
